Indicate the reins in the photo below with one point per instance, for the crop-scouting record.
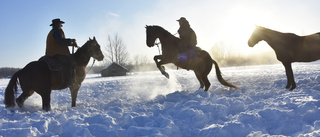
(158, 47)
(157, 43)
(94, 60)
(72, 49)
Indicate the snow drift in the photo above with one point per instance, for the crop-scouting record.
(148, 104)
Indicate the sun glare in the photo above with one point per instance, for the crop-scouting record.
(239, 25)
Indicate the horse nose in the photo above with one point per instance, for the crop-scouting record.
(101, 57)
(148, 44)
(250, 43)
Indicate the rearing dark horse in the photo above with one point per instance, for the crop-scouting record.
(289, 48)
(37, 77)
(201, 63)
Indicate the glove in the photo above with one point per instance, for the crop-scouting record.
(74, 43)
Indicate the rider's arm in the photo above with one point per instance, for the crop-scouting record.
(59, 38)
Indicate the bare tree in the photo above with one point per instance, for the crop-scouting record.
(220, 50)
(7, 72)
(227, 53)
(116, 50)
(140, 60)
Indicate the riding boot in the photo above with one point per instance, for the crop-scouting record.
(69, 67)
(190, 55)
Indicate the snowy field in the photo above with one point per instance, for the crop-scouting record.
(148, 104)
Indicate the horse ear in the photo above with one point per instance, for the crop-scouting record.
(94, 38)
(146, 26)
(89, 38)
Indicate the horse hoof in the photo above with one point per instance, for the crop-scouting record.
(46, 108)
(292, 88)
(167, 75)
(19, 103)
(287, 87)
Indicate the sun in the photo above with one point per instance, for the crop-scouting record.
(239, 25)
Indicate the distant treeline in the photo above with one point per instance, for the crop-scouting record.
(131, 68)
(7, 72)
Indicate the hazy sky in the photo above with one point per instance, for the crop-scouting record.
(25, 24)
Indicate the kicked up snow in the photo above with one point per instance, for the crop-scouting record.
(148, 104)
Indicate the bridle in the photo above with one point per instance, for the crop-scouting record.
(94, 60)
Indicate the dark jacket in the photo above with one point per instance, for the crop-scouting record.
(187, 36)
(57, 43)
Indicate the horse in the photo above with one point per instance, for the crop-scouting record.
(201, 63)
(289, 48)
(38, 77)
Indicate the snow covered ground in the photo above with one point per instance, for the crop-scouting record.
(148, 104)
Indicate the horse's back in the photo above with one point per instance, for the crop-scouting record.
(313, 38)
(38, 76)
(34, 74)
(298, 48)
(35, 68)
(311, 46)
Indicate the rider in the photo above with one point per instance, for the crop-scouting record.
(57, 43)
(57, 51)
(188, 40)
(187, 35)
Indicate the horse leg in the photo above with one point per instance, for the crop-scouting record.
(74, 93)
(206, 82)
(290, 78)
(161, 68)
(20, 100)
(46, 98)
(206, 70)
(199, 79)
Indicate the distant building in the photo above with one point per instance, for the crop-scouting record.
(113, 69)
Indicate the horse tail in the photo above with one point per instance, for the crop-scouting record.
(219, 76)
(11, 89)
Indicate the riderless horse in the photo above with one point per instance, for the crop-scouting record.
(289, 48)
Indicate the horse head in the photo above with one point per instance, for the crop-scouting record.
(151, 35)
(256, 36)
(94, 49)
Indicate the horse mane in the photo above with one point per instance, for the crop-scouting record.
(164, 31)
(276, 32)
(81, 53)
(82, 48)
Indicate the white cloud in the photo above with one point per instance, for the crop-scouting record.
(113, 14)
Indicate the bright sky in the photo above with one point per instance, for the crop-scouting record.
(25, 24)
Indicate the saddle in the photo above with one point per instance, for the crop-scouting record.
(57, 62)
(62, 66)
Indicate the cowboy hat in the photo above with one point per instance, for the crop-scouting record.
(56, 21)
(182, 19)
